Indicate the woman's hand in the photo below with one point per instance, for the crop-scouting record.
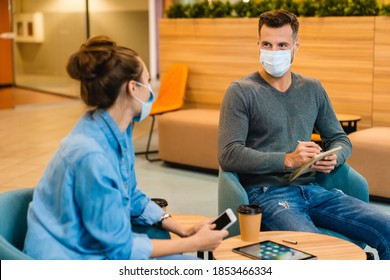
(191, 231)
(208, 239)
(204, 239)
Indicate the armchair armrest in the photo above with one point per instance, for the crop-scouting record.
(153, 232)
(346, 179)
(231, 194)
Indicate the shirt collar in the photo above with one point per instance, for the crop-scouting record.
(111, 129)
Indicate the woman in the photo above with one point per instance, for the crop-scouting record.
(86, 202)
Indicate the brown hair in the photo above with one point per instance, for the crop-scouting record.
(102, 68)
(279, 18)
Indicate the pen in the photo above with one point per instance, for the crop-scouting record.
(290, 241)
(299, 141)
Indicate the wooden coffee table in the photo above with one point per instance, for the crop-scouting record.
(325, 247)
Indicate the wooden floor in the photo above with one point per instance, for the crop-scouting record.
(21, 96)
(30, 133)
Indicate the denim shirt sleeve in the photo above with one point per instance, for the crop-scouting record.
(104, 207)
(143, 249)
(151, 212)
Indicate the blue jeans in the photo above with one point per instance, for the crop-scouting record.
(305, 208)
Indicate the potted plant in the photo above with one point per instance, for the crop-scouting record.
(252, 8)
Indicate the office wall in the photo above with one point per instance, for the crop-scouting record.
(127, 28)
(381, 87)
(63, 34)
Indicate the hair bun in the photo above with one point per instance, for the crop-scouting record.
(92, 59)
(98, 42)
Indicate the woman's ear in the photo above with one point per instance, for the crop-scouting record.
(131, 87)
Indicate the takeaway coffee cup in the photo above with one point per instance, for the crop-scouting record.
(161, 202)
(249, 217)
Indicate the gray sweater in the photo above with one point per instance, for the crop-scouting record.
(258, 125)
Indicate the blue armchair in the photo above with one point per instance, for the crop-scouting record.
(231, 193)
(13, 224)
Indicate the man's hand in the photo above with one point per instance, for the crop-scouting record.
(326, 165)
(302, 153)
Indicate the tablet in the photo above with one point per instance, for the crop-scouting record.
(270, 250)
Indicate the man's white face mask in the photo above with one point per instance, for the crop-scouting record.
(276, 63)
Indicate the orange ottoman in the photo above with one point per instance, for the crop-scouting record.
(189, 137)
(370, 157)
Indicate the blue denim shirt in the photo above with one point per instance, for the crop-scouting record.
(85, 203)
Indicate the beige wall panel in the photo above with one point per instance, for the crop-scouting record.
(381, 104)
(337, 51)
(216, 53)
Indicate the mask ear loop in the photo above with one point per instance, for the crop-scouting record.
(149, 87)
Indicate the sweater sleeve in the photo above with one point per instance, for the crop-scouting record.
(331, 131)
(233, 153)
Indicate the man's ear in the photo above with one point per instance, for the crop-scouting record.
(297, 44)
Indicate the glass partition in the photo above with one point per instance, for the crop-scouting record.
(46, 33)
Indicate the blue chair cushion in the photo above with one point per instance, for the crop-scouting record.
(13, 223)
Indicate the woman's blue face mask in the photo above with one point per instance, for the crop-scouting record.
(145, 106)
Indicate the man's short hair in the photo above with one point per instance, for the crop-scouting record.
(279, 18)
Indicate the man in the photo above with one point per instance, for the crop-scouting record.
(266, 123)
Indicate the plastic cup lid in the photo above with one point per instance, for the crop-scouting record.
(160, 202)
(250, 209)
